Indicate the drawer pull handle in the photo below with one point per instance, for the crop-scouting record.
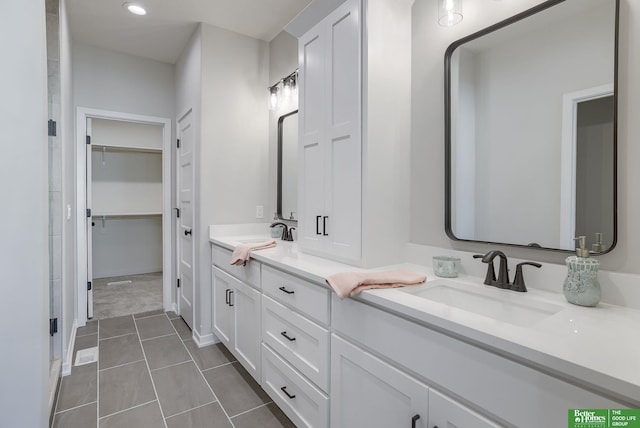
(318, 225)
(291, 339)
(284, 389)
(230, 294)
(324, 225)
(414, 419)
(226, 295)
(284, 290)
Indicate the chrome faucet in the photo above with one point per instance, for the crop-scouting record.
(286, 233)
(503, 271)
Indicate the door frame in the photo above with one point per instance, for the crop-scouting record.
(569, 145)
(82, 114)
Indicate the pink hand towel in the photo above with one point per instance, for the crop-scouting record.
(352, 283)
(241, 253)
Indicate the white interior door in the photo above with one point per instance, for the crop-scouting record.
(89, 222)
(185, 221)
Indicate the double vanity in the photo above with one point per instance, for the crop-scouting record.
(451, 351)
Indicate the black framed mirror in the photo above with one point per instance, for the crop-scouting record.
(531, 129)
(287, 204)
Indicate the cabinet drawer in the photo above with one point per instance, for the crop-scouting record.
(303, 343)
(310, 299)
(302, 402)
(249, 273)
(491, 382)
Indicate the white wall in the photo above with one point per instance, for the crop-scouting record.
(24, 361)
(427, 130)
(108, 80)
(233, 150)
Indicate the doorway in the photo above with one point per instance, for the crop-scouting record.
(124, 197)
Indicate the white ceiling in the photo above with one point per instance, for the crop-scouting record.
(164, 31)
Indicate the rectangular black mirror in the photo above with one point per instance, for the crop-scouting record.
(530, 128)
(287, 204)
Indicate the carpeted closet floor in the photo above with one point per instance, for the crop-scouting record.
(142, 294)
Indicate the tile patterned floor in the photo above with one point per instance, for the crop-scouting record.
(150, 374)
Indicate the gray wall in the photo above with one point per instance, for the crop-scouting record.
(24, 360)
(427, 141)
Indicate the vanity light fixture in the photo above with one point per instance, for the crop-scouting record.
(282, 92)
(449, 12)
(135, 8)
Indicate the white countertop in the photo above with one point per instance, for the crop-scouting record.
(597, 347)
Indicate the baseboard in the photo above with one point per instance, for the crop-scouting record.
(204, 340)
(172, 307)
(68, 360)
(54, 380)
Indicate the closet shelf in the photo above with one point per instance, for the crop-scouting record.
(98, 216)
(112, 148)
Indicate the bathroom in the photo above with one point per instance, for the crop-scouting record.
(237, 165)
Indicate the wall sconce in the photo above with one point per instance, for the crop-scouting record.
(282, 92)
(449, 12)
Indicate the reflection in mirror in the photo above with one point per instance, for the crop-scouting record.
(531, 128)
(288, 166)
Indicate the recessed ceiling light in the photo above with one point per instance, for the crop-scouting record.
(136, 9)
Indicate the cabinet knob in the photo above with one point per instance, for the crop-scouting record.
(414, 419)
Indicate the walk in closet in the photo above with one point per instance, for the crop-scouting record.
(125, 196)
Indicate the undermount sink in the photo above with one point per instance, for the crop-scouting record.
(501, 305)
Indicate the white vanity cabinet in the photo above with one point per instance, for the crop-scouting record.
(367, 392)
(330, 144)
(295, 356)
(503, 388)
(236, 318)
(354, 110)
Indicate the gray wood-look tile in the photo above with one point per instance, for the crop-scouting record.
(182, 328)
(148, 314)
(80, 417)
(117, 326)
(153, 326)
(124, 387)
(165, 351)
(79, 388)
(172, 315)
(209, 416)
(90, 328)
(181, 388)
(120, 350)
(209, 356)
(146, 416)
(269, 416)
(235, 388)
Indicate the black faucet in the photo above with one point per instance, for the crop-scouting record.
(503, 272)
(286, 234)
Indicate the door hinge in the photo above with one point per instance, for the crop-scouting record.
(178, 143)
(51, 128)
(88, 212)
(89, 286)
(88, 139)
(177, 212)
(178, 283)
(53, 326)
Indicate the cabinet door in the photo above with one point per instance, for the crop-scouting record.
(367, 392)
(445, 412)
(245, 302)
(223, 284)
(311, 190)
(343, 150)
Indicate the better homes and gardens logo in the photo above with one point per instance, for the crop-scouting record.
(604, 418)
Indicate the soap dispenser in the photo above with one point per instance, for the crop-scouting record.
(581, 286)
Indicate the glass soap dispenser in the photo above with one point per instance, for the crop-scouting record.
(581, 286)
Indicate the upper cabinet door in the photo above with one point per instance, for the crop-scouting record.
(330, 142)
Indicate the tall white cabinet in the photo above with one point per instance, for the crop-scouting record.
(354, 125)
